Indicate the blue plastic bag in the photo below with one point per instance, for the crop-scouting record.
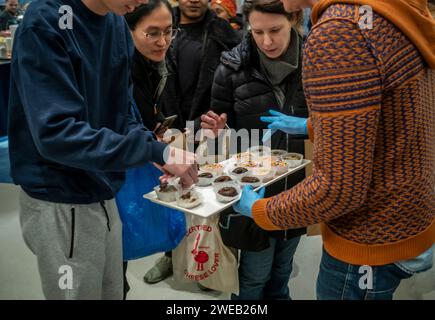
(5, 168)
(147, 227)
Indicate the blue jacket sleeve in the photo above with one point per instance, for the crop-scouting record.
(54, 107)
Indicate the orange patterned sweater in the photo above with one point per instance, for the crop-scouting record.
(372, 104)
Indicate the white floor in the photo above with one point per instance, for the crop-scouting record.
(19, 277)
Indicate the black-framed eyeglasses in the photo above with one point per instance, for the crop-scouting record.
(156, 35)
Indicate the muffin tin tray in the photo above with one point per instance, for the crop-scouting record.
(210, 205)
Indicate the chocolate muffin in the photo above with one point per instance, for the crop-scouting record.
(291, 157)
(187, 197)
(240, 170)
(228, 192)
(205, 175)
(278, 152)
(223, 179)
(166, 187)
(250, 180)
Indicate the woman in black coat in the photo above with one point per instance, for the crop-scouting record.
(154, 82)
(262, 73)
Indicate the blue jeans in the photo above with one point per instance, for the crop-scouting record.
(338, 280)
(265, 274)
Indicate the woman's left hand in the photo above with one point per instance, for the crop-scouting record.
(247, 200)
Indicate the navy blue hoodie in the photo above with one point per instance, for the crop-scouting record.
(70, 134)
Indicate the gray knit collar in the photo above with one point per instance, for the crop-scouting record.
(276, 70)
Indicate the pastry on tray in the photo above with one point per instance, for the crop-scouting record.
(293, 159)
(266, 161)
(239, 172)
(227, 192)
(265, 174)
(205, 179)
(166, 192)
(222, 179)
(280, 167)
(188, 199)
(249, 164)
(244, 156)
(259, 150)
(278, 152)
(214, 168)
(250, 181)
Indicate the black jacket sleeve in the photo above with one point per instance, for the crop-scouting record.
(3, 21)
(222, 99)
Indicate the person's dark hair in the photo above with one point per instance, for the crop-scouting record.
(143, 11)
(272, 6)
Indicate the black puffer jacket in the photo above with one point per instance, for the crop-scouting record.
(218, 36)
(244, 94)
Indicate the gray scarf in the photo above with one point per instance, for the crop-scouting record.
(163, 72)
(277, 70)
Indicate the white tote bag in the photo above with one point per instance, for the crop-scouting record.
(202, 257)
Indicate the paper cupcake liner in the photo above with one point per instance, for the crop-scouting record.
(165, 196)
(294, 163)
(253, 184)
(222, 198)
(189, 205)
(204, 182)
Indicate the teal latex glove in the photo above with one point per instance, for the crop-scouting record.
(249, 196)
(288, 124)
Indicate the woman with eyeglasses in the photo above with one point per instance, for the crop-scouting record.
(262, 73)
(154, 88)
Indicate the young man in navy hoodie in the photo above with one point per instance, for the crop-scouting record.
(71, 139)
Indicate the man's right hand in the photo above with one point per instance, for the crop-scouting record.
(213, 123)
(180, 163)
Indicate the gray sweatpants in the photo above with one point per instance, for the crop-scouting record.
(78, 247)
